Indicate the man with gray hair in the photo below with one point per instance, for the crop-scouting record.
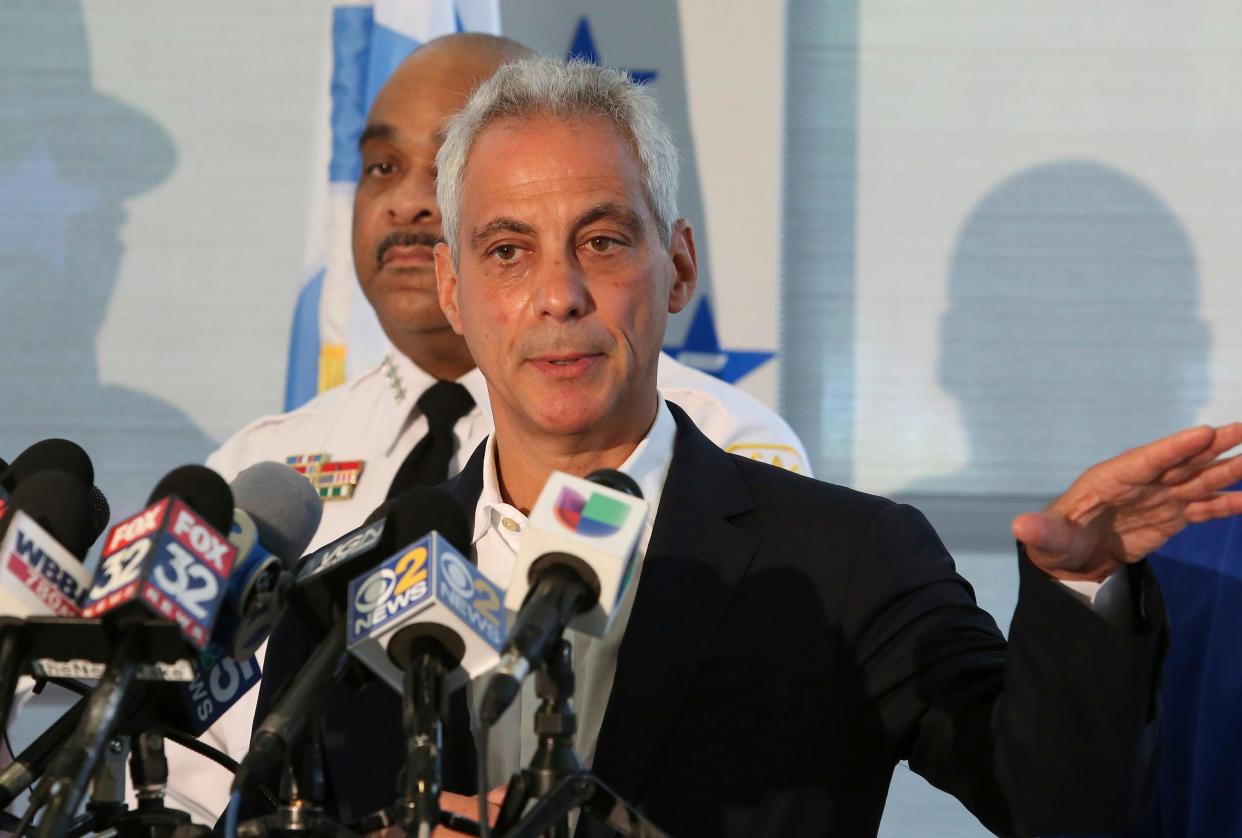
(419, 414)
(787, 641)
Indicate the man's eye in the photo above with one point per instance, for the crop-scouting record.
(601, 244)
(379, 169)
(505, 252)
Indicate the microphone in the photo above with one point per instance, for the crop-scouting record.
(424, 621)
(48, 455)
(276, 507)
(168, 561)
(319, 590)
(427, 591)
(70, 518)
(573, 567)
(38, 574)
(321, 579)
(277, 514)
(56, 455)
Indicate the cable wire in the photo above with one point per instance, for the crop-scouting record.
(230, 815)
(217, 756)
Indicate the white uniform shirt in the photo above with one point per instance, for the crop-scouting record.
(374, 419)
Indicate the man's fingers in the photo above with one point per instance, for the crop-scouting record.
(1149, 462)
(1227, 437)
(1220, 505)
(1210, 480)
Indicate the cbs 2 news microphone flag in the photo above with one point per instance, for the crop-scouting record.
(335, 334)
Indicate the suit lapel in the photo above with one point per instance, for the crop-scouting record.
(693, 564)
(466, 486)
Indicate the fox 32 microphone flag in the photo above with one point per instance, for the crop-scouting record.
(335, 333)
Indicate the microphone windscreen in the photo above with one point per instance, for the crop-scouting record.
(284, 505)
(202, 489)
(49, 454)
(101, 512)
(380, 511)
(61, 504)
(618, 480)
(416, 512)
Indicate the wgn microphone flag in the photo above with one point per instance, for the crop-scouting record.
(335, 334)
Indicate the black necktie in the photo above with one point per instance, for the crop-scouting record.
(363, 721)
(427, 464)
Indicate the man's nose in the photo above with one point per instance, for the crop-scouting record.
(561, 292)
(413, 201)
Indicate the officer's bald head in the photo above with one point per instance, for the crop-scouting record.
(396, 220)
(462, 61)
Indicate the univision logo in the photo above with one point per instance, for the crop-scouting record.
(597, 516)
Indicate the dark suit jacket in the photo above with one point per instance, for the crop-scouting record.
(792, 640)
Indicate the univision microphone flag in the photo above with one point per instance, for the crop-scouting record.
(335, 333)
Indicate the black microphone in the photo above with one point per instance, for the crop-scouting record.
(56, 455)
(168, 561)
(48, 455)
(277, 514)
(39, 575)
(318, 596)
(572, 569)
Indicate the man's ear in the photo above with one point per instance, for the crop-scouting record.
(446, 286)
(685, 266)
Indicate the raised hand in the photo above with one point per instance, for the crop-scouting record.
(1122, 509)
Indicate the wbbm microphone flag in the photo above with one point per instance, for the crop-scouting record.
(335, 333)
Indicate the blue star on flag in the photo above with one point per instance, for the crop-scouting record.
(583, 49)
(701, 350)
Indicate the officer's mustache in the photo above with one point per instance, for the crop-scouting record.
(405, 238)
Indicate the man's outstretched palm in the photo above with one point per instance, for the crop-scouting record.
(1122, 509)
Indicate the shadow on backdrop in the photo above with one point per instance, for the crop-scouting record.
(70, 157)
(1072, 334)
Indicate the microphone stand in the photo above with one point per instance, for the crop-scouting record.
(107, 790)
(555, 779)
(423, 699)
(12, 651)
(65, 781)
(148, 769)
(422, 654)
(302, 791)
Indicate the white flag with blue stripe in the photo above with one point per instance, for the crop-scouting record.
(335, 333)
